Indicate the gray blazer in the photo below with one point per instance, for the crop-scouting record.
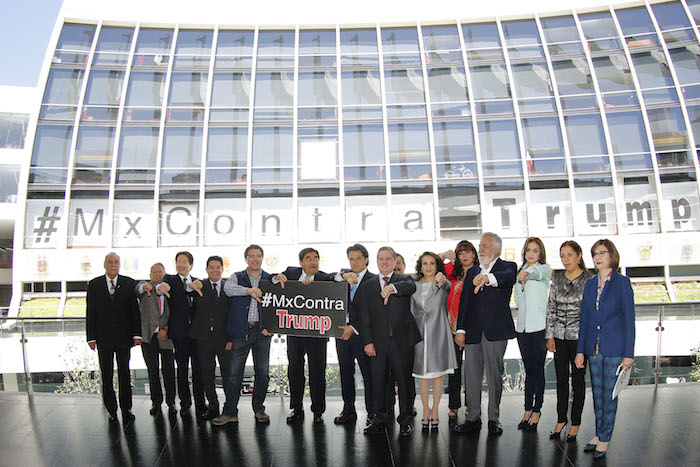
(151, 317)
(435, 353)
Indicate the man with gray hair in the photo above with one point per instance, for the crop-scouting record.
(484, 325)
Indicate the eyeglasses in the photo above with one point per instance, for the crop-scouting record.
(600, 253)
(254, 256)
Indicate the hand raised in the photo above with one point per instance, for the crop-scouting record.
(197, 287)
(147, 287)
(449, 254)
(164, 288)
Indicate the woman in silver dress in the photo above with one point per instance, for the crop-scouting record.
(434, 355)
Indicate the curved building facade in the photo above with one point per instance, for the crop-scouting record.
(151, 138)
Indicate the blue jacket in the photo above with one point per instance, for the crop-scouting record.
(237, 324)
(613, 321)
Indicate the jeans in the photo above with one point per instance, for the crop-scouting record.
(603, 381)
(233, 379)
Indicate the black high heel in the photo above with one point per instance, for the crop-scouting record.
(533, 426)
(557, 434)
(570, 438)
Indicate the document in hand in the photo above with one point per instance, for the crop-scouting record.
(623, 379)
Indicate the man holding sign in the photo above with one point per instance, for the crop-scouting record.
(313, 347)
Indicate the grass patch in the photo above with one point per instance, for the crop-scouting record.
(42, 307)
(75, 307)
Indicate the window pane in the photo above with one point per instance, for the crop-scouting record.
(95, 146)
(460, 211)
(274, 89)
(521, 33)
(235, 43)
(75, 37)
(104, 87)
(542, 137)
(146, 88)
(13, 130)
(9, 178)
(627, 133)
(597, 25)
(115, 39)
(188, 89)
(447, 84)
(317, 42)
(404, 86)
(318, 88)
(361, 87)
(477, 36)
(454, 141)
(154, 41)
(272, 146)
(634, 21)
(138, 147)
(585, 135)
(532, 80)
(686, 64)
(194, 42)
(613, 73)
(276, 43)
(399, 40)
(440, 38)
(182, 147)
(489, 82)
(499, 140)
(670, 15)
(668, 128)
(573, 76)
(408, 142)
(231, 90)
(63, 86)
(358, 41)
(51, 146)
(562, 29)
(363, 144)
(227, 147)
(652, 69)
(694, 7)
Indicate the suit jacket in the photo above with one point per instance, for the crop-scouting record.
(488, 312)
(112, 320)
(151, 317)
(211, 313)
(377, 318)
(294, 273)
(180, 308)
(354, 305)
(614, 320)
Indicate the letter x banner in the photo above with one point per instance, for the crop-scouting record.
(314, 310)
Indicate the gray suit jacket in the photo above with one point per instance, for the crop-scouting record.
(151, 317)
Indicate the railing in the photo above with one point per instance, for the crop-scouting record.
(75, 326)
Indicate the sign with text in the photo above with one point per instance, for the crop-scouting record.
(314, 310)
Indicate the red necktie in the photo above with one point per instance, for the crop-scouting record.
(160, 305)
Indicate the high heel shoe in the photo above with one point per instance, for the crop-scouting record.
(434, 422)
(557, 434)
(571, 438)
(590, 447)
(425, 422)
(533, 426)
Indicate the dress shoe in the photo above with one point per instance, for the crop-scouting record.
(599, 454)
(172, 410)
(112, 416)
(262, 417)
(590, 447)
(467, 427)
(155, 410)
(523, 424)
(295, 416)
(345, 417)
(318, 417)
(405, 430)
(210, 415)
(495, 428)
(127, 416)
(223, 420)
(374, 429)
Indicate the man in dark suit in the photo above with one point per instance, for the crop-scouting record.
(181, 308)
(484, 325)
(349, 346)
(389, 334)
(158, 350)
(313, 347)
(113, 327)
(247, 336)
(208, 330)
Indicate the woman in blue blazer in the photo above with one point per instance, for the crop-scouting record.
(606, 336)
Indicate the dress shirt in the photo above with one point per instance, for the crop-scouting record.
(233, 289)
(486, 270)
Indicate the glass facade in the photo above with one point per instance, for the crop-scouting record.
(579, 124)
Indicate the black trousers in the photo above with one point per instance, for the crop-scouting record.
(454, 383)
(349, 351)
(106, 354)
(209, 351)
(315, 350)
(400, 360)
(151, 353)
(564, 365)
(186, 349)
(533, 348)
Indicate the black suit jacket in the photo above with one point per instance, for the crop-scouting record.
(112, 320)
(180, 309)
(489, 310)
(210, 312)
(375, 317)
(294, 273)
(354, 305)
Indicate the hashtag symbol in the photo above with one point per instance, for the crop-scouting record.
(46, 223)
(267, 299)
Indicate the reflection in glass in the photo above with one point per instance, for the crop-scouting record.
(75, 37)
(154, 41)
(408, 142)
(490, 82)
(477, 36)
(585, 135)
(560, 29)
(363, 145)
(686, 63)
(146, 88)
(231, 90)
(399, 40)
(188, 89)
(627, 133)
(104, 87)
(194, 42)
(597, 25)
(95, 146)
(274, 89)
(51, 145)
(498, 140)
(670, 15)
(182, 147)
(440, 38)
(138, 147)
(613, 73)
(234, 43)
(361, 87)
(634, 21)
(454, 141)
(358, 41)
(652, 69)
(114, 39)
(318, 88)
(532, 80)
(447, 84)
(276, 43)
(573, 76)
(520, 33)
(668, 128)
(317, 42)
(63, 86)
(272, 146)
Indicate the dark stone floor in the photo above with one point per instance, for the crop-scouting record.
(654, 428)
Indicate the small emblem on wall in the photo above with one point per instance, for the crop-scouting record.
(271, 260)
(41, 264)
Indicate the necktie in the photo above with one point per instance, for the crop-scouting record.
(160, 305)
(184, 284)
(353, 291)
(216, 291)
(111, 286)
(386, 284)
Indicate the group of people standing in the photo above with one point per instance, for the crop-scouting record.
(452, 318)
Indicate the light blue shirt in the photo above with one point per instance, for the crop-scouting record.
(532, 302)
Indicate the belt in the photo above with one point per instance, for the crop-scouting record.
(252, 324)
